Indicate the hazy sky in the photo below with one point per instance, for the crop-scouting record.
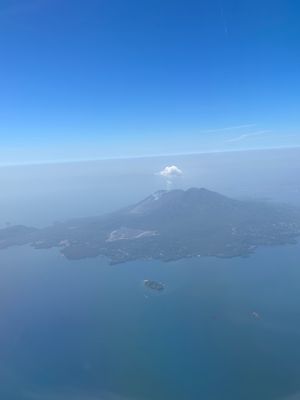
(90, 79)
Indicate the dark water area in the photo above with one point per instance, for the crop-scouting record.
(84, 330)
(222, 329)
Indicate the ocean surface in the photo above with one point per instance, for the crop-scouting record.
(223, 329)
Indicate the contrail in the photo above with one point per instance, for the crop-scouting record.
(230, 128)
(224, 19)
(248, 135)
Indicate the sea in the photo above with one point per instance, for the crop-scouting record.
(223, 329)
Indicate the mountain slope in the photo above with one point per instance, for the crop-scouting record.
(168, 225)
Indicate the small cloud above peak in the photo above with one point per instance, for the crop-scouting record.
(170, 174)
(171, 171)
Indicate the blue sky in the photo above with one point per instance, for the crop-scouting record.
(91, 79)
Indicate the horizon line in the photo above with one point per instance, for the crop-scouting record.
(87, 160)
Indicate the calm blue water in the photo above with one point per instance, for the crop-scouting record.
(84, 330)
(87, 330)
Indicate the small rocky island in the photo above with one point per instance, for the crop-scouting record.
(158, 286)
(167, 225)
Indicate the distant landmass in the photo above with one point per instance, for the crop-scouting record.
(167, 225)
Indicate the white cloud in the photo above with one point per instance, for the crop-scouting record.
(171, 171)
(230, 128)
(248, 135)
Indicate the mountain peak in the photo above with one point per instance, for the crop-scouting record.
(168, 200)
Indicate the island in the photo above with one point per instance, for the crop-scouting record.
(158, 286)
(167, 225)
